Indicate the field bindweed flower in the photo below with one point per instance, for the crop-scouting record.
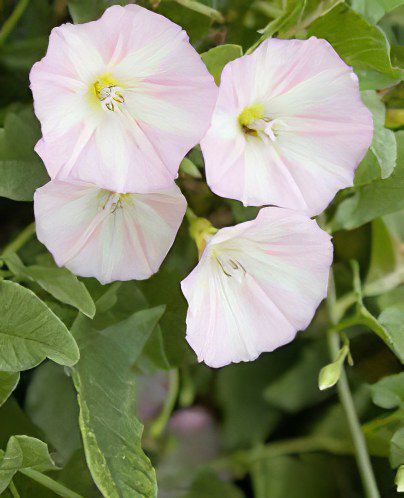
(121, 100)
(289, 127)
(107, 235)
(256, 285)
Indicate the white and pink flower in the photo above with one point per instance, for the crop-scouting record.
(256, 285)
(289, 127)
(121, 100)
(107, 235)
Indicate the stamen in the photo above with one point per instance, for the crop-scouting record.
(109, 95)
(222, 267)
(254, 122)
(231, 267)
(112, 201)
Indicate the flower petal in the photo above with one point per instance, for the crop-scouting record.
(167, 100)
(94, 239)
(322, 128)
(284, 260)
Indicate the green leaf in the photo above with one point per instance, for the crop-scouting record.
(115, 303)
(189, 168)
(310, 476)
(333, 423)
(242, 213)
(207, 484)
(164, 289)
(21, 170)
(20, 55)
(239, 392)
(383, 258)
(299, 380)
(216, 58)
(395, 224)
(374, 10)
(360, 44)
(76, 475)
(296, 16)
(51, 403)
(13, 420)
(23, 452)
(392, 298)
(392, 321)
(90, 10)
(8, 382)
(386, 268)
(376, 199)
(379, 432)
(389, 392)
(387, 326)
(59, 282)
(30, 332)
(196, 25)
(397, 448)
(291, 11)
(381, 158)
(111, 433)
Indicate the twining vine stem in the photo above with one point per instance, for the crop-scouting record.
(345, 396)
(49, 483)
(361, 451)
(160, 423)
(239, 462)
(203, 9)
(20, 240)
(9, 23)
(13, 490)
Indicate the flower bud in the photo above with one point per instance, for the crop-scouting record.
(399, 480)
(201, 230)
(330, 374)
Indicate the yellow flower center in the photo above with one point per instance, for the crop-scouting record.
(250, 114)
(108, 92)
(254, 122)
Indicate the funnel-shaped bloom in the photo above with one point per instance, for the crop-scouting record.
(256, 285)
(121, 100)
(289, 127)
(107, 235)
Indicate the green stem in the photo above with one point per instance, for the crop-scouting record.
(343, 304)
(13, 490)
(10, 23)
(203, 9)
(267, 9)
(358, 438)
(378, 423)
(190, 215)
(159, 424)
(49, 483)
(240, 462)
(187, 392)
(21, 239)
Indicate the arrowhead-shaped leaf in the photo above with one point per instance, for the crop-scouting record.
(30, 331)
(105, 383)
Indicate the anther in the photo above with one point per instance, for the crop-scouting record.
(110, 96)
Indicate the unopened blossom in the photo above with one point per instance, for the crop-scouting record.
(256, 285)
(289, 127)
(121, 100)
(107, 235)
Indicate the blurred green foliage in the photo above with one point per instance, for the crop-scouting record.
(119, 416)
